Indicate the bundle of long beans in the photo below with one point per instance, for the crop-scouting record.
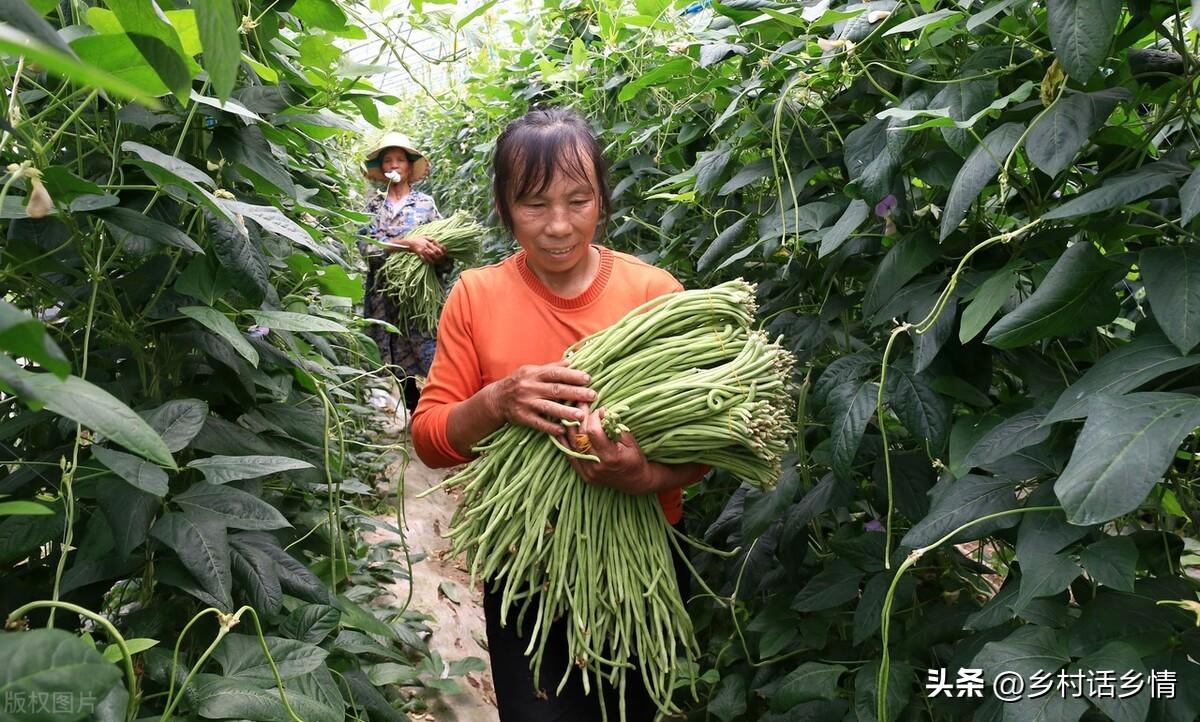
(413, 284)
(692, 383)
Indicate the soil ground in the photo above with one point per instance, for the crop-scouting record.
(440, 588)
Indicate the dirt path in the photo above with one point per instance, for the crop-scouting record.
(458, 626)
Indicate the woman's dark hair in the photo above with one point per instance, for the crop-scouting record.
(536, 146)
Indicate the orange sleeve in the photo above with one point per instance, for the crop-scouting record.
(454, 377)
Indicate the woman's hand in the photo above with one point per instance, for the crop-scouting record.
(622, 464)
(538, 396)
(429, 250)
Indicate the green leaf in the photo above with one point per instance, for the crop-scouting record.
(907, 258)
(219, 25)
(809, 681)
(1081, 32)
(157, 41)
(250, 699)
(729, 702)
(671, 69)
(978, 170)
(1112, 562)
(101, 412)
(17, 43)
(1172, 278)
(241, 257)
(1115, 192)
(1045, 532)
(21, 17)
(49, 664)
(386, 673)
(1123, 369)
(852, 404)
(249, 149)
(710, 165)
(967, 499)
(241, 655)
(356, 617)
(1124, 449)
(174, 167)
(126, 222)
(223, 469)
(256, 577)
(1027, 650)
(722, 243)
(963, 100)
(985, 16)
(232, 507)
(1189, 197)
(294, 578)
(112, 652)
(288, 321)
(1052, 707)
(922, 411)
(757, 170)
(851, 219)
(311, 623)
(140, 474)
(1044, 575)
(1021, 430)
(24, 508)
(24, 336)
(129, 513)
(1076, 295)
(219, 323)
(921, 22)
(1057, 136)
(988, 300)
(1112, 661)
(202, 546)
(324, 14)
(177, 421)
(833, 586)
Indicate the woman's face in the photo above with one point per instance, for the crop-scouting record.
(394, 159)
(556, 227)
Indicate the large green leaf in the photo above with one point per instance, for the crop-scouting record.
(1043, 575)
(288, 321)
(851, 405)
(256, 578)
(127, 225)
(102, 412)
(1108, 665)
(866, 689)
(1189, 197)
(20, 16)
(722, 243)
(979, 170)
(809, 681)
(203, 547)
(963, 99)
(986, 301)
(729, 702)
(1081, 32)
(922, 410)
(967, 499)
(177, 421)
(61, 63)
(1045, 532)
(249, 148)
(1059, 134)
(24, 336)
(220, 324)
(241, 655)
(1112, 561)
(157, 41)
(835, 585)
(851, 219)
(172, 166)
(140, 474)
(51, 664)
(312, 623)
(1077, 294)
(710, 166)
(1172, 278)
(129, 513)
(1115, 192)
(1027, 650)
(294, 578)
(241, 257)
(248, 699)
(223, 469)
(218, 24)
(1021, 430)
(1123, 369)
(1124, 449)
(230, 506)
(670, 69)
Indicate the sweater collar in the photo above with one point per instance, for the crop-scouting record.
(593, 291)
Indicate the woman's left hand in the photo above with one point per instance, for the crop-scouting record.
(622, 464)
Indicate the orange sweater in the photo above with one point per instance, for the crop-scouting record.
(501, 316)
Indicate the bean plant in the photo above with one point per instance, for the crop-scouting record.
(975, 224)
(186, 468)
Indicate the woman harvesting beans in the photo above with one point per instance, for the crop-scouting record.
(501, 340)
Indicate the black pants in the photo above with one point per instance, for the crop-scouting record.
(516, 695)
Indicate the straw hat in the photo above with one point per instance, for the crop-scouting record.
(419, 167)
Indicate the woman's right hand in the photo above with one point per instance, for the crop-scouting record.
(538, 396)
(427, 249)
